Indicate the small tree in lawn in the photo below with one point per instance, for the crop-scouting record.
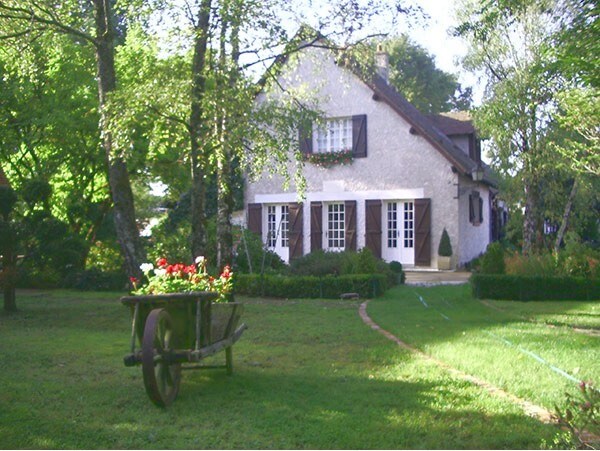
(8, 198)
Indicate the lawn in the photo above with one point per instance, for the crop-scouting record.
(534, 350)
(307, 374)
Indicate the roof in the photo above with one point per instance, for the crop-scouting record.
(421, 124)
(3, 180)
(454, 123)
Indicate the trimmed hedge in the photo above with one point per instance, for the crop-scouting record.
(534, 288)
(330, 287)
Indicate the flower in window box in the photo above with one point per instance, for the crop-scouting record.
(328, 159)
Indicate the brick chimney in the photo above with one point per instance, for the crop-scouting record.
(382, 62)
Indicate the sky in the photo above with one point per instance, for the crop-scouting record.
(434, 37)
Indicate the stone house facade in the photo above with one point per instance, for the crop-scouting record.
(406, 176)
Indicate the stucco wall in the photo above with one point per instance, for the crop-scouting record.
(473, 239)
(399, 165)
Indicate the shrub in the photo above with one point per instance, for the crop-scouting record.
(581, 418)
(319, 263)
(331, 287)
(445, 248)
(533, 288)
(251, 251)
(396, 268)
(492, 262)
(97, 280)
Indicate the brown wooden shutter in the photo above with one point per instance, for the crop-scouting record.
(255, 218)
(306, 140)
(359, 136)
(316, 226)
(350, 224)
(423, 232)
(373, 226)
(295, 231)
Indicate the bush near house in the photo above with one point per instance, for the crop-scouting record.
(328, 287)
(321, 263)
(534, 288)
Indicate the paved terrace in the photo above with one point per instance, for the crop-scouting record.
(433, 277)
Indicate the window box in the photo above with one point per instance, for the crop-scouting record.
(329, 159)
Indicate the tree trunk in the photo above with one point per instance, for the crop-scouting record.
(565, 219)
(529, 218)
(118, 175)
(225, 200)
(197, 149)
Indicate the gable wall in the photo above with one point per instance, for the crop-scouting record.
(399, 165)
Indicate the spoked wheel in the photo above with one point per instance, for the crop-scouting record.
(161, 376)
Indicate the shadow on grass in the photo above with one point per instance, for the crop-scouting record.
(254, 410)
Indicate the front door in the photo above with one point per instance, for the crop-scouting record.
(398, 232)
(277, 230)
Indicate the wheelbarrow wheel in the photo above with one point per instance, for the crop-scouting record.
(161, 376)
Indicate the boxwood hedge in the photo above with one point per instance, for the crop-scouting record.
(366, 285)
(534, 288)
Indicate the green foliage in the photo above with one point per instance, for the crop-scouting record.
(319, 263)
(250, 251)
(576, 260)
(8, 199)
(580, 416)
(533, 288)
(36, 191)
(96, 280)
(105, 256)
(492, 261)
(331, 287)
(445, 248)
(414, 74)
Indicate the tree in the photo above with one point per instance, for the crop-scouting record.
(507, 42)
(93, 26)
(414, 74)
(49, 140)
(541, 107)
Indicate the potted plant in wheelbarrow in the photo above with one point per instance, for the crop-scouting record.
(181, 315)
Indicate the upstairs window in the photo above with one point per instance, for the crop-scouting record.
(334, 136)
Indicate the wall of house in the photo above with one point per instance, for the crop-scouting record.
(473, 239)
(399, 165)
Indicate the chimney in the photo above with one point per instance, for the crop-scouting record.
(382, 63)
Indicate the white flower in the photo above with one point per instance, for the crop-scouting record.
(160, 272)
(146, 267)
(200, 260)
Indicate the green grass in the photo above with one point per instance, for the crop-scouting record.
(495, 342)
(307, 374)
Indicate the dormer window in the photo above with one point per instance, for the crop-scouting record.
(334, 136)
(337, 135)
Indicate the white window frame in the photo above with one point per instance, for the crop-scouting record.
(409, 225)
(335, 226)
(334, 136)
(392, 224)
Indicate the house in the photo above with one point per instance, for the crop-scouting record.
(378, 174)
